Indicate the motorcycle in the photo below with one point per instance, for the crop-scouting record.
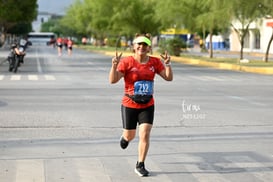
(16, 57)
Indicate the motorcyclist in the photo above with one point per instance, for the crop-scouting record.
(20, 52)
(23, 44)
(15, 53)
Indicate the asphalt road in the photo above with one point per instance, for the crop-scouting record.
(60, 121)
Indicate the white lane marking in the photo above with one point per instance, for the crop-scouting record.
(198, 78)
(261, 170)
(50, 77)
(239, 98)
(15, 77)
(33, 77)
(39, 68)
(212, 78)
(87, 172)
(30, 170)
(29, 77)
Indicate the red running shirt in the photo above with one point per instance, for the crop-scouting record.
(134, 71)
(69, 43)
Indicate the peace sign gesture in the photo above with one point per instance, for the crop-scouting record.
(116, 59)
(166, 58)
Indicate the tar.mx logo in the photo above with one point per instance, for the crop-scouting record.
(191, 111)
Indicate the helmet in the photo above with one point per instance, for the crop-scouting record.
(13, 45)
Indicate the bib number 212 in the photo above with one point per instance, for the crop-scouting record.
(143, 88)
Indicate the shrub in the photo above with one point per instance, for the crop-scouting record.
(173, 46)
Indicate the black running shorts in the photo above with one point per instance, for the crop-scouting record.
(131, 117)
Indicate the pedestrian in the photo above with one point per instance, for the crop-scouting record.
(65, 40)
(16, 50)
(137, 108)
(14, 55)
(84, 40)
(201, 43)
(69, 46)
(60, 45)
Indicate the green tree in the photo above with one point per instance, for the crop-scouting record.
(245, 12)
(111, 18)
(215, 18)
(172, 16)
(54, 25)
(16, 11)
(77, 18)
(136, 16)
(267, 9)
(20, 29)
(16, 16)
(196, 15)
(100, 24)
(49, 25)
(90, 17)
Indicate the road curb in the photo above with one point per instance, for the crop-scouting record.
(224, 66)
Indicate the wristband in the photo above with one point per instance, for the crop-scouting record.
(168, 64)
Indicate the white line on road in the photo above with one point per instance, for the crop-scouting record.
(259, 170)
(15, 77)
(30, 170)
(50, 77)
(243, 99)
(39, 68)
(213, 78)
(29, 77)
(33, 77)
(91, 170)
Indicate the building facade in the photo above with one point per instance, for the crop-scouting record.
(40, 19)
(257, 38)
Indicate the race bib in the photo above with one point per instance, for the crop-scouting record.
(144, 88)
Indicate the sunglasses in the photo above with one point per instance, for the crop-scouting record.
(142, 43)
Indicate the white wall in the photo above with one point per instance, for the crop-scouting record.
(36, 25)
(265, 34)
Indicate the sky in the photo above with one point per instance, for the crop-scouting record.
(54, 6)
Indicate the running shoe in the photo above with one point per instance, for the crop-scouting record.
(140, 169)
(123, 143)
